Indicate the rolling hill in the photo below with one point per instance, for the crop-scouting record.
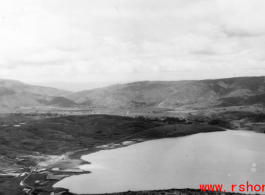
(18, 87)
(164, 94)
(16, 93)
(62, 102)
(242, 101)
(173, 93)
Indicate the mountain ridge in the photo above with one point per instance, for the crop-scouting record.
(170, 93)
(167, 94)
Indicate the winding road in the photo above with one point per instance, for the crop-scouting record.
(29, 174)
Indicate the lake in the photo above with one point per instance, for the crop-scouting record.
(229, 157)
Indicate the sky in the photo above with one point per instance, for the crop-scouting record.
(84, 44)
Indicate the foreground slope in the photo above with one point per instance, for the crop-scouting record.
(171, 93)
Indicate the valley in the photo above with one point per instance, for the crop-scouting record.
(44, 132)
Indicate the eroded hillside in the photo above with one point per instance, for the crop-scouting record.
(172, 93)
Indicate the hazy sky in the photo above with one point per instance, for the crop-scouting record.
(84, 44)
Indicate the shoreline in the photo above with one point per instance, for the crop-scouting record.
(173, 191)
(68, 164)
(78, 154)
(74, 157)
(162, 190)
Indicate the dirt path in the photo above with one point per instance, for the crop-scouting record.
(26, 185)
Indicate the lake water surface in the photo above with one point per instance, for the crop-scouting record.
(229, 157)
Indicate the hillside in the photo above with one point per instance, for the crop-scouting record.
(172, 93)
(242, 101)
(18, 86)
(16, 93)
(163, 94)
(61, 101)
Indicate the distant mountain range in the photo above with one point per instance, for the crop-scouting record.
(220, 92)
(175, 93)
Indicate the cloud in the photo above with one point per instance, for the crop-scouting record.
(39, 36)
(130, 40)
(242, 17)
